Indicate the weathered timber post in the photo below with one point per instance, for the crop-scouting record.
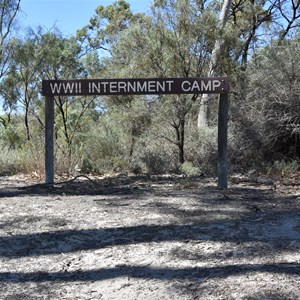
(49, 140)
(222, 141)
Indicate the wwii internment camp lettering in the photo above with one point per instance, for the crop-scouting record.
(216, 85)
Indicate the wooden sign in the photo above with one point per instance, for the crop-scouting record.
(146, 86)
(149, 86)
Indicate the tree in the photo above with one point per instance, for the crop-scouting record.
(105, 26)
(8, 13)
(288, 17)
(272, 104)
(22, 79)
(175, 43)
(63, 59)
(250, 25)
(213, 69)
(46, 55)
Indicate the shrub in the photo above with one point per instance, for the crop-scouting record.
(189, 169)
(202, 150)
(8, 161)
(105, 148)
(283, 169)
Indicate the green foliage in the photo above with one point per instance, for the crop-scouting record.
(189, 169)
(105, 148)
(27, 158)
(30, 157)
(9, 91)
(59, 56)
(202, 150)
(155, 134)
(11, 136)
(8, 160)
(272, 104)
(284, 169)
(105, 26)
(155, 156)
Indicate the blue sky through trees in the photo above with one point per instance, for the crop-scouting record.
(67, 15)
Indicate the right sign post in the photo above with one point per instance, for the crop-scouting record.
(222, 141)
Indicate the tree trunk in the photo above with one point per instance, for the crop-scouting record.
(27, 124)
(181, 131)
(203, 114)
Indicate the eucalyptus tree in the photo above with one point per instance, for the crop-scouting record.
(63, 59)
(174, 41)
(105, 25)
(272, 104)
(20, 87)
(8, 13)
(250, 26)
(287, 18)
(47, 55)
(37, 56)
(215, 61)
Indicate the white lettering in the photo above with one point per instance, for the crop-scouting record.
(113, 88)
(215, 84)
(55, 88)
(170, 82)
(161, 86)
(206, 87)
(131, 86)
(151, 86)
(68, 87)
(186, 86)
(122, 86)
(136, 86)
(142, 87)
(105, 84)
(96, 87)
(196, 86)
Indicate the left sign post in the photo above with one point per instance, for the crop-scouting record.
(49, 140)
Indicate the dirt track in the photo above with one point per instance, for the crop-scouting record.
(148, 238)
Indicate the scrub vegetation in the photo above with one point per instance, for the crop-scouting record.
(254, 43)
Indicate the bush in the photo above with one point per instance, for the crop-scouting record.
(8, 161)
(202, 150)
(25, 159)
(284, 169)
(269, 116)
(189, 169)
(105, 149)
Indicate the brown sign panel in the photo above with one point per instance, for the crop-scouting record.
(149, 86)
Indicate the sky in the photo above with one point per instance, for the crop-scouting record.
(67, 15)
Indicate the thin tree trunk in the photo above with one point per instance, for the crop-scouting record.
(26, 121)
(203, 115)
(181, 140)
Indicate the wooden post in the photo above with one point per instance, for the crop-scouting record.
(222, 141)
(49, 140)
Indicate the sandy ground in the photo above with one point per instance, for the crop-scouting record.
(149, 237)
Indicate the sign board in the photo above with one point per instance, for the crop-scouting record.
(138, 86)
(149, 86)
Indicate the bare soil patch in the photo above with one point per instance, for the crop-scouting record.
(149, 237)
